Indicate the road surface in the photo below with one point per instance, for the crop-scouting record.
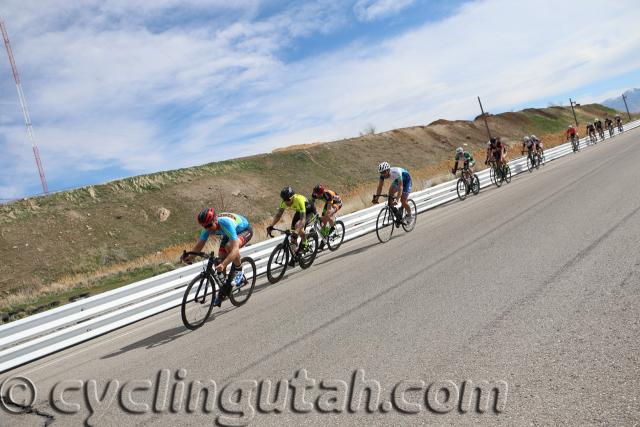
(533, 287)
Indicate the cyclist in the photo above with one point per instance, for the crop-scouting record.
(591, 130)
(572, 133)
(400, 184)
(235, 231)
(538, 143)
(496, 151)
(598, 125)
(618, 121)
(303, 213)
(527, 144)
(332, 204)
(608, 123)
(467, 159)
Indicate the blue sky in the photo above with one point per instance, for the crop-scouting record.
(124, 87)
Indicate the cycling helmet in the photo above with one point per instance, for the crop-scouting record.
(459, 150)
(493, 141)
(589, 123)
(383, 167)
(525, 139)
(318, 189)
(569, 127)
(595, 119)
(534, 137)
(286, 193)
(206, 216)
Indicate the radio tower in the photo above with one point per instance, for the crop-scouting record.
(23, 104)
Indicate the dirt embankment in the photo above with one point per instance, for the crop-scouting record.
(67, 242)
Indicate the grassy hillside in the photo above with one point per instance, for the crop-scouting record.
(98, 237)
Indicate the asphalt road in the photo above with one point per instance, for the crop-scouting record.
(535, 286)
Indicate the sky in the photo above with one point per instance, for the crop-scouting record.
(118, 88)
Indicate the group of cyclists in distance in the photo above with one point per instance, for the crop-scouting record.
(597, 128)
(234, 230)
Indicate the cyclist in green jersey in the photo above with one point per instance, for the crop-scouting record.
(303, 213)
(467, 160)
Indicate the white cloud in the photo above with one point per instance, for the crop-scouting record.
(370, 10)
(108, 89)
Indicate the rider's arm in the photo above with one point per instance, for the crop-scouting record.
(379, 190)
(198, 246)
(277, 217)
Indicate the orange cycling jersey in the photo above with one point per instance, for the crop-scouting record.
(329, 197)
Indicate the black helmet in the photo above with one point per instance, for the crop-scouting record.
(493, 140)
(286, 193)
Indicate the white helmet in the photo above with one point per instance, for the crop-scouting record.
(595, 119)
(459, 150)
(383, 167)
(534, 137)
(525, 139)
(570, 126)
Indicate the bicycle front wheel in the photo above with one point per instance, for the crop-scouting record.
(461, 188)
(241, 293)
(497, 173)
(410, 224)
(507, 174)
(530, 162)
(197, 301)
(277, 264)
(385, 224)
(336, 237)
(308, 254)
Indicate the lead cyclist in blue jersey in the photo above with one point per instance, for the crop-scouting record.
(235, 231)
(400, 184)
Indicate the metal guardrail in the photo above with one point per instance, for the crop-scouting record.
(41, 334)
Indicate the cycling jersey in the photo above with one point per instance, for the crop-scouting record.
(329, 197)
(571, 131)
(466, 156)
(400, 175)
(300, 204)
(598, 124)
(230, 225)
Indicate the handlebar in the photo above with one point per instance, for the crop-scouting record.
(204, 255)
(287, 232)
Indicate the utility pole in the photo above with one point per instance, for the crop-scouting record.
(573, 111)
(23, 104)
(624, 98)
(484, 116)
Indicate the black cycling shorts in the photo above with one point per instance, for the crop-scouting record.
(311, 210)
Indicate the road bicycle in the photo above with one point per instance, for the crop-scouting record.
(467, 183)
(611, 131)
(593, 139)
(620, 127)
(601, 133)
(534, 160)
(498, 175)
(389, 218)
(202, 291)
(575, 143)
(334, 239)
(284, 252)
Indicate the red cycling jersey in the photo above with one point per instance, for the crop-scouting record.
(571, 131)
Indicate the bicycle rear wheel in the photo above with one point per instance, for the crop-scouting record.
(410, 225)
(475, 186)
(385, 223)
(308, 254)
(530, 163)
(197, 301)
(507, 173)
(336, 237)
(240, 294)
(461, 188)
(277, 264)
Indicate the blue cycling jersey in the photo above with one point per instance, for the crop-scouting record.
(229, 225)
